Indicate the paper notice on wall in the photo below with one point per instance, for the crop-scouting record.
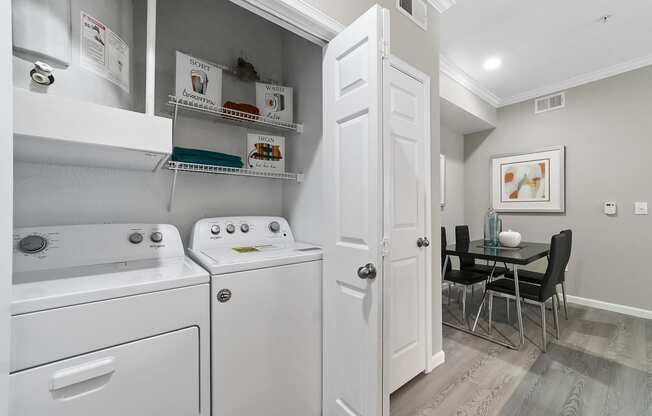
(103, 52)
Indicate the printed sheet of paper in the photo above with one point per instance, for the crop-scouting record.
(103, 52)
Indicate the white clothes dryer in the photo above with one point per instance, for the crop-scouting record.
(108, 319)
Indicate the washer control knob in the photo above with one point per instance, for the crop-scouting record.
(274, 226)
(215, 229)
(156, 237)
(230, 228)
(244, 228)
(32, 244)
(136, 238)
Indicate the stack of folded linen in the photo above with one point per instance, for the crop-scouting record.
(205, 157)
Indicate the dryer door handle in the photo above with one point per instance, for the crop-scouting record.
(82, 373)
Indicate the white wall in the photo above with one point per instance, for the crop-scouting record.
(605, 127)
(302, 202)
(50, 195)
(6, 161)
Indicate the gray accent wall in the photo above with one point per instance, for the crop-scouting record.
(452, 213)
(605, 127)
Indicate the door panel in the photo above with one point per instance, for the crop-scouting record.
(352, 223)
(405, 177)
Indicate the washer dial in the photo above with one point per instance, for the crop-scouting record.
(244, 228)
(156, 237)
(215, 229)
(274, 226)
(230, 228)
(32, 244)
(136, 238)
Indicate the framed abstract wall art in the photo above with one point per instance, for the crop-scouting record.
(529, 182)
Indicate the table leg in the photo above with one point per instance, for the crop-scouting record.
(518, 305)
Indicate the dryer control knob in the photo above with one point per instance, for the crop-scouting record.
(274, 226)
(156, 237)
(230, 228)
(136, 238)
(32, 244)
(244, 228)
(215, 229)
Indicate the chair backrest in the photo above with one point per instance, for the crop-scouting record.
(559, 249)
(463, 238)
(443, 250)
(569, 233)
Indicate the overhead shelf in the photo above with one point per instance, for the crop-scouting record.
(66, 131)
(223, 170)
(228, 115)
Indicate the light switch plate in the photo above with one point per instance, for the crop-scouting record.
(640, 208)
(610, 208)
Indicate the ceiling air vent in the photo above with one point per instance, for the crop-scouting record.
(549, 103)
(417, 10)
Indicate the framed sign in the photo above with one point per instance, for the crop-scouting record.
(529, 182)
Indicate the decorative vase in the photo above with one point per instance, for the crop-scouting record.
(492, 226)
(510, 238)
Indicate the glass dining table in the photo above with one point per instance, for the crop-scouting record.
(524, 254)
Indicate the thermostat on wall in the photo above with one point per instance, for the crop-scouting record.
(610, 208)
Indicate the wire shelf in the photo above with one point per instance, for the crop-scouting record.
(225, 170)
(234, 116)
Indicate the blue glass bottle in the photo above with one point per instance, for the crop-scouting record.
(492, 226)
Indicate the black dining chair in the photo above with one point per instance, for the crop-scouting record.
(464, 278)
(462, 236)
(536, 278)
(537, 294)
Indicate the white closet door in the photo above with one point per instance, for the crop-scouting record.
(353, 218)
(405, 222)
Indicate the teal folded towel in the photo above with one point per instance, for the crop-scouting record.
(206, 154)
(206, 157)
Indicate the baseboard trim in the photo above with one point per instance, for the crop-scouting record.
(613, 307)
(435, 361)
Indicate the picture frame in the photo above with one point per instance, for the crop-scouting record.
(529, 181)
(442, 180)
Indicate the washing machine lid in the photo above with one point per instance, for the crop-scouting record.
(39, 290)
(255, 256)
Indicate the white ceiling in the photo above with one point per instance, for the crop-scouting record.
(545, 45)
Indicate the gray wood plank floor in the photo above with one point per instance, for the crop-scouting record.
(601, 366)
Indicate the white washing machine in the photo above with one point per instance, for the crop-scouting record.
(265, 316)
(109, 319)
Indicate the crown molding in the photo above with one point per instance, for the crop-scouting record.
(458, 75)
(442, 5)
(579, 80)
(296, 16)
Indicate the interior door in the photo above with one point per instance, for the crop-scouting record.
(352, 73)
(405, 157)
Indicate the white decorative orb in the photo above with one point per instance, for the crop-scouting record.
(510, 238)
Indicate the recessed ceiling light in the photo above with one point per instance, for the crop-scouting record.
(492, 64)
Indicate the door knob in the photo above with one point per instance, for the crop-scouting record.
(426, 242)
(420, 242)
(368, 271)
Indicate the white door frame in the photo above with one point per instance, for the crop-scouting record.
(6, 195)
(409, 70)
